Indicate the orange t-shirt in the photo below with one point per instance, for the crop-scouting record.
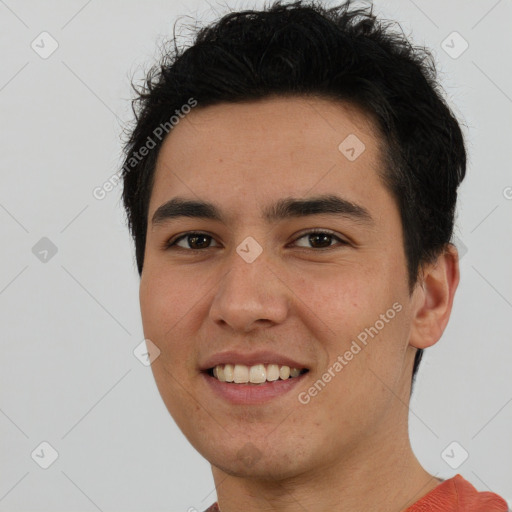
(458, 495)
(453, 495)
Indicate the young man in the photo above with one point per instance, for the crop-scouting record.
(290, 185)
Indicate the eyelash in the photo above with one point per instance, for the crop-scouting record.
(172, 242)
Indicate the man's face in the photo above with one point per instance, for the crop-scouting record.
(305, 300)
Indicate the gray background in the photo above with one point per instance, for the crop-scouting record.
(70, 320)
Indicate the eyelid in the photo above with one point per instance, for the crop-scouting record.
(171, 242)
(312, 231)
(168, 244)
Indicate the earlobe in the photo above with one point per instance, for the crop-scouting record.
(433, 298)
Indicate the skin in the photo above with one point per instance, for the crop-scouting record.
(347, 449)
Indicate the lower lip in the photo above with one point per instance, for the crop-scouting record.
(252, 394)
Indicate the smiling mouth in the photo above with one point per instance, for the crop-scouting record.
(255, 374)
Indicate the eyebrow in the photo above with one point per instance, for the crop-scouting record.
(282, 209)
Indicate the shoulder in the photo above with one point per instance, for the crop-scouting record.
(474, 501)
(459, 495)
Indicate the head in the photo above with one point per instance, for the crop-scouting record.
(293, 103)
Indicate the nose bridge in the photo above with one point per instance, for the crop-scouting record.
(249, 290)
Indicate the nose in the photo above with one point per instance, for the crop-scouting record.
(250, 294)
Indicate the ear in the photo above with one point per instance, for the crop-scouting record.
(433, 298)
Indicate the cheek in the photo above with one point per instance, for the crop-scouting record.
(166, 306)
(164, 299)
(345, 297)
(358, 314)
(164, 310)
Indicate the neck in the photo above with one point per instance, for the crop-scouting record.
(381, 474)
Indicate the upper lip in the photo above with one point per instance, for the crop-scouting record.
(250, 359)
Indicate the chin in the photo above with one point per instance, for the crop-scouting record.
(259, 471)
(250, 462)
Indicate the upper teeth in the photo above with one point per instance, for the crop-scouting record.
(256, 374)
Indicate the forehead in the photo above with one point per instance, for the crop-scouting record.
(253, 150)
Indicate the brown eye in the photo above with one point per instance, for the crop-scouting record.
(320, 239)
(193, 241)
